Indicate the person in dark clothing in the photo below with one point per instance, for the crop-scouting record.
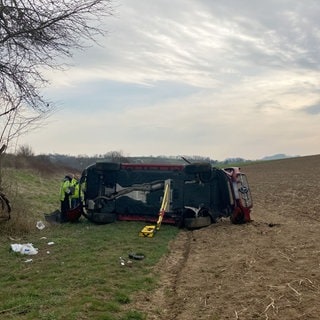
(75, 196)
(65, 192)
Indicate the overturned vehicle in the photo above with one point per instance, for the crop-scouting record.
(199, 194)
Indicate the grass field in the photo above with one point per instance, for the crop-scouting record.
(79, 276)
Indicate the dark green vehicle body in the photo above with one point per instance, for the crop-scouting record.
(199, 193)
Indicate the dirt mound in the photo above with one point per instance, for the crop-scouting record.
(267, 269)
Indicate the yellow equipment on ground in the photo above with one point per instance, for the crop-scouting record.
(149, 231)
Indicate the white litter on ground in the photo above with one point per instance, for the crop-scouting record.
(40, 225)
(26, 248)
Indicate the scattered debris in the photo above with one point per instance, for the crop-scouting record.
(26, 248)
(40, 225)
(136, 256)
(14, 239)
(271, 225)
(122, 261)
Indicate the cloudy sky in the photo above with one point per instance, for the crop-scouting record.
(232, 78)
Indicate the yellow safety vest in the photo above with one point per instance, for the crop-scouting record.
(65, 188)
(75, 186)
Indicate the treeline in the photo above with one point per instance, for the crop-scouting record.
(25, 157)
(81, 162)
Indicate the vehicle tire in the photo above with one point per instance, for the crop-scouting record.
(195, 168)
(108, 166)
(136, 256)
(198, 222)
(102, 218)
(205, 177)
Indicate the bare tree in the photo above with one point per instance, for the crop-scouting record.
(33, 34)
(116, 156)
(25, 151)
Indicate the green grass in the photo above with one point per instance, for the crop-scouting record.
(37, 192)
(80, 275)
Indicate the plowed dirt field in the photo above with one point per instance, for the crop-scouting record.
(263, 270)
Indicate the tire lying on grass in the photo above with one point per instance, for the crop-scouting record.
(136, 256)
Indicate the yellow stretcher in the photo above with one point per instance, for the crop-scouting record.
(149, 231)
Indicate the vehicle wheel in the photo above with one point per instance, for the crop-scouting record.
(205, 177)
(102, 218)
(198, 222)
(195, 168)
(108, 166)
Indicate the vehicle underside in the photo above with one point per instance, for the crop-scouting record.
(199, 194)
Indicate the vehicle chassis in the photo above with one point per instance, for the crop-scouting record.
(199, 193)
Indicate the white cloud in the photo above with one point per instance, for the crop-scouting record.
(246, 71)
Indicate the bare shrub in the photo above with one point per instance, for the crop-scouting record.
(17, 226)
(33, 190)
(25, 151)
(116, 156)
(20, 223)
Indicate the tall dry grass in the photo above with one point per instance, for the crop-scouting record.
(32, 185)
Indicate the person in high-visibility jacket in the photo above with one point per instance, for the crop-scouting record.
(65, 192)
(75, 196)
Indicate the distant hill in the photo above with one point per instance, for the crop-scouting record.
(278, 156)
